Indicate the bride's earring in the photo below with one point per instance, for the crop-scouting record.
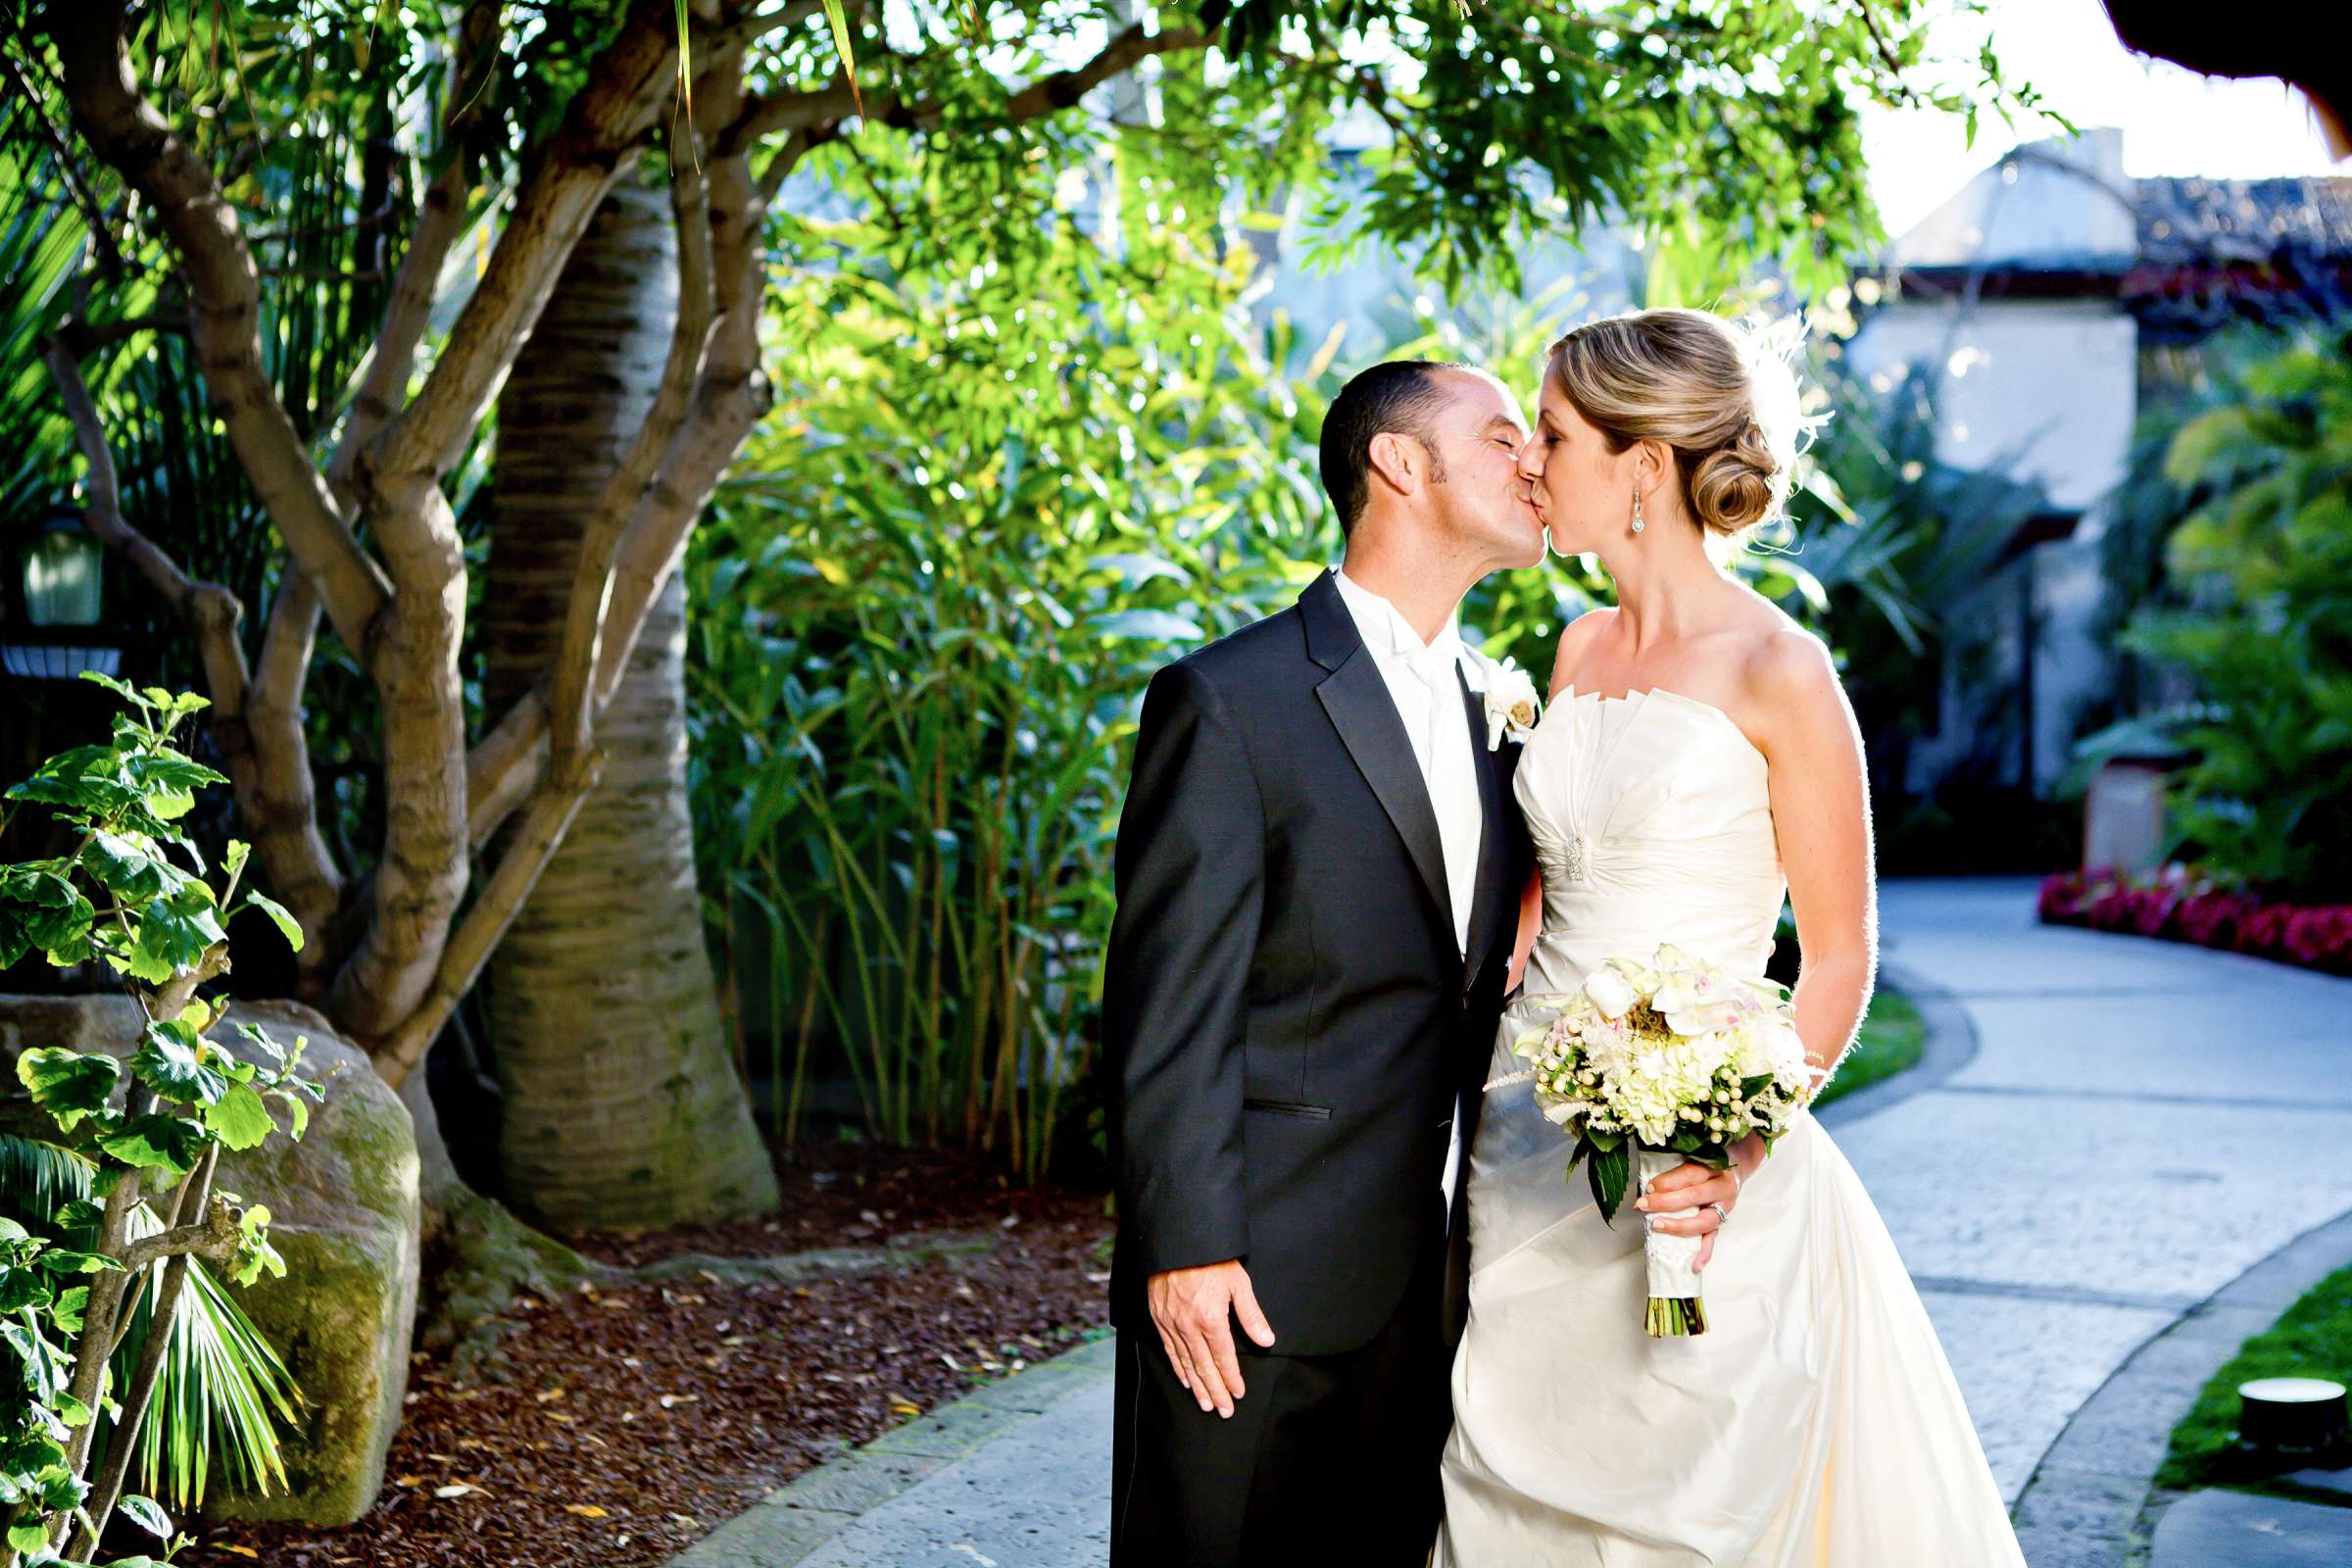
(1636, 511)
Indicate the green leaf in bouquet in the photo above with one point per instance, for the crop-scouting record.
(1611, 1171)
(1688, 1142)
(1750, 1088)
(67, 1084)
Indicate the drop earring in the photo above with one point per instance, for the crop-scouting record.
(1636, 511)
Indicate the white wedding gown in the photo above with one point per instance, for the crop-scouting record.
(1816, 1422)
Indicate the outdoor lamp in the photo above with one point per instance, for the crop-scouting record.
(62, 576)
(2291, 1416)
(64, 567)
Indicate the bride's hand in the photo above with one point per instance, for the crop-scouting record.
(1710, 1192)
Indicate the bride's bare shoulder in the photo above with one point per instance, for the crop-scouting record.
(1575, 638)
(1791, 680)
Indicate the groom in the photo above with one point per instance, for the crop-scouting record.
(1318, 873)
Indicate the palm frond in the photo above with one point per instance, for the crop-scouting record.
(223, 1392)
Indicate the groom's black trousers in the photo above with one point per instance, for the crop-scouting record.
(1327, 1458)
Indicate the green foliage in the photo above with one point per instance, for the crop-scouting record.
(223, 1391)
(942, 594)
(2263, 621)
(158, 1120)
(1887, 539)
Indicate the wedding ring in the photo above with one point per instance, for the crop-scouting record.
(1723, 1215)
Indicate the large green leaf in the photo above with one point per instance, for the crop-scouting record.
(172, 1063)
(67, 1084)
(239, 1119)
(158, 1141)
(287, 926)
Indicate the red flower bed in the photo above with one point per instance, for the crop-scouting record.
(2182, 904)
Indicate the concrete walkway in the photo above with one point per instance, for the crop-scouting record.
(2140, 1124)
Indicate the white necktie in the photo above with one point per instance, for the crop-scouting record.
(1453, 780)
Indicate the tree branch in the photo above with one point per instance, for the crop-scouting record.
(533, 842)
(575, 660)
(224, 310)
(440, 218)
(802, 111)
(569, 176)
(214, 1237)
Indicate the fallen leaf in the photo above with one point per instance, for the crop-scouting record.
(456, 1489)
(586, 1510)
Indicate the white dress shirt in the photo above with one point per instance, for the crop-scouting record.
(1423, 681)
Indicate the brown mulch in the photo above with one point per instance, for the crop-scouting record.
(633, 1422)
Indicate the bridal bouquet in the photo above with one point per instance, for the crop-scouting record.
(1651, 1064)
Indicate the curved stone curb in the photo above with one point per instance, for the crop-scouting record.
(793, 1523)
(1951, 1045)
(2091, 1501)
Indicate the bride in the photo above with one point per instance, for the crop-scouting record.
(1697, 758)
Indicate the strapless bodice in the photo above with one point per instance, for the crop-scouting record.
(1652, 816)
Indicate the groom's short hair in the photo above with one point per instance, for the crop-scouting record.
(1400, 397)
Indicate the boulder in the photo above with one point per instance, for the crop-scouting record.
(343, 1207)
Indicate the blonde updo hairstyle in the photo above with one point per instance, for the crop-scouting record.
(1720, 394)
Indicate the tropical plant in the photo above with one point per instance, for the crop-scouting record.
(1888, 540)
(151, 1123)
(2265, 632)
(942, 598)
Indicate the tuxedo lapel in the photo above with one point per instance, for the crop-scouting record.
(1365, 716)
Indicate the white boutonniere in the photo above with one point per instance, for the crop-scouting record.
(1511, 705)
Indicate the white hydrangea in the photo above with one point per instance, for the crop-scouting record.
(1668, 1046)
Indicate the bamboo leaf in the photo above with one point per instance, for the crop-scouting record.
(838, 19)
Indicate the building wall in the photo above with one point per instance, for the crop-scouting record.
(2037, 389)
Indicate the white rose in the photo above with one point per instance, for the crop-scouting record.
(1611, 993)
(1510, 701)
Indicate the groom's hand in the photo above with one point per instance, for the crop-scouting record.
(1192, 1308)
(1700, 1188)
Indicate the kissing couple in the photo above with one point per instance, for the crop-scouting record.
(1362, 1317)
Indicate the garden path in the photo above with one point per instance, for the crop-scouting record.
(2140, 1124)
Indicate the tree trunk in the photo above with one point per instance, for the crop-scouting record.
(622, 1105)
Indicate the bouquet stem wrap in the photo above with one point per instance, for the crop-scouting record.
(1675, 1310)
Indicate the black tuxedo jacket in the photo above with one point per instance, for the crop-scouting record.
(1287, 1019)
